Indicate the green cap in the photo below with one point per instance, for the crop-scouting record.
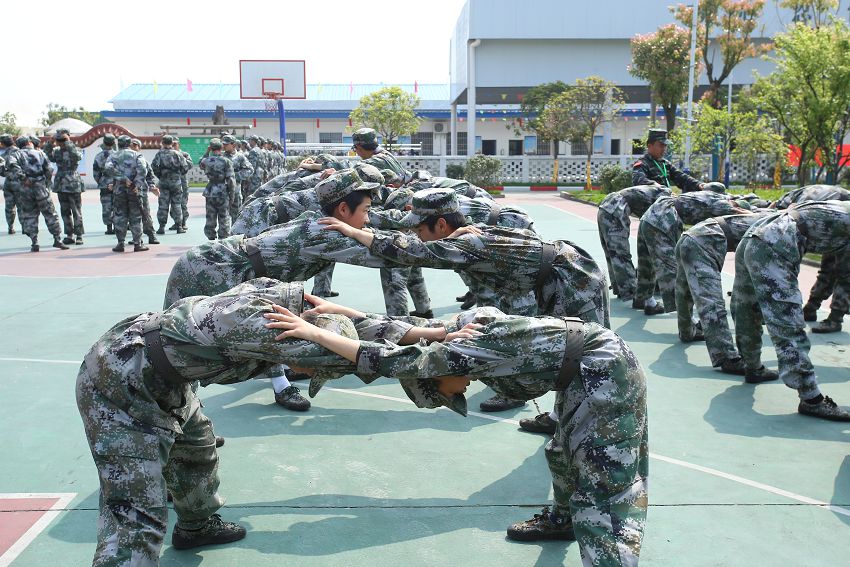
(215, 144)
(167, 140)
(340, 185)
(22, 141)
(228, 139)
(364, 136)
(715, 186)
(369, 173)
(399, 199)
(657, 135)
(109, 139)
(431, 203)
(124, 141)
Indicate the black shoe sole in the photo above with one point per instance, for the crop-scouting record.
(183, 544)
(537, 430)
(504, 407)
(527, 536)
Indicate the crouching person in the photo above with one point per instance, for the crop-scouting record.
(598, 457)
(145, 426)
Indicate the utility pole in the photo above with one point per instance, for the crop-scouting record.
(691, 69)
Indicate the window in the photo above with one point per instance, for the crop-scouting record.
(598, 141)
(296, 137)
(330, 137)
(427, 141)
(514, 147)
(530, 145)
(544, 147)
(615, 147)
(578, 148)
(461, 144)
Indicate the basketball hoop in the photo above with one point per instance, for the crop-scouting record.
(271, 104)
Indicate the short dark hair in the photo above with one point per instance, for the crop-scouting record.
(353, 201)
(368, 146)
(454, 220)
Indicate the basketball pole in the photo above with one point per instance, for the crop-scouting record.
(281, 113)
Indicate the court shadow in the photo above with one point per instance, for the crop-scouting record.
(841, 493)
(672, 363)
(634, 330)
(732, 412)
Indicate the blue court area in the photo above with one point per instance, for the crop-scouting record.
(365, 478)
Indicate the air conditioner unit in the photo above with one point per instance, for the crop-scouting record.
(439, 127)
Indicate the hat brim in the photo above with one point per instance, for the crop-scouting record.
(411, 219)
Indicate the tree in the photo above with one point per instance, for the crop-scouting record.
(809, 93)
(725, 27)
(580, 111)
(662, 60)
(8, 124)
(390, 111)
(56, 112)
(756, 135)
(531, 110)
(814, 13)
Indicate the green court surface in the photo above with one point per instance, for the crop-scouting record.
(365, 478)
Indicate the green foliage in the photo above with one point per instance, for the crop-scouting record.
(292, 162)
(454, 171)
(8, 124)
(482, 170)
(813, 13)
(662, 59)
(533, 103)
(56, 112)
(390, 111)
(727, 27)
(612, 177)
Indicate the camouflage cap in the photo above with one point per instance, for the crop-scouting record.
(175, 139)
(715, 186)
(328, 161)
(6, 140)
(109, 139)
(422, 174)
(369, 173)
(61, 132)
(292, 297)
(22, 141)
(340, 185)
(425, 394)
(364, 136)
(124, 141)
(252, 138)
(390, 177)
(36, 141)
(136, 142)
(657, 135)
(167, 140)
(215, 144)
(399, 199)
(431, 203)
(228, 139)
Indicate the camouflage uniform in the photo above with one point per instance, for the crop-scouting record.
(168, 166)
(598, 457)
(813, 193)
(184, 180)
(68, 185)
(300, 179)
(129, 171)
(219, 170)
(144, 196)
(614, 222)
(243, 170)
(659, 230)
(29, 169)
(462, 187)
(264, 212)
(105, 184)
(255, 156)
(11, 187)
(700, 254)
(146, 429)
(767, 266)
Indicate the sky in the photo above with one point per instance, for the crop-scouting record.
(80, 53)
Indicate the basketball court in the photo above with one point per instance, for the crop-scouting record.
(365, 478)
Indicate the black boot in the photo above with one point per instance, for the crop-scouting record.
(544, 525)
(139, 247)
(118, 247)
(214, 531)
(761, 375)
(78, 240)
(58, 244)
(424, 314)
(152, 238)
(161, 229)
(291, 399)
(35, 247)
(656, 309)
(825, 409)
(498, 403)
(541, 423)
(831, 324)
(109, 230)
(68, 240)
(733, 366)
(810, 312)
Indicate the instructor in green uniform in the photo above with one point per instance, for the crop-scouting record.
(653, 168)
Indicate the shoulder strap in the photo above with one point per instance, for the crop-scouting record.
(573, 351)
(495, 211)
(547, 256)
(256, 260)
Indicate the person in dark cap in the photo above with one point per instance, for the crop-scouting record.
(653, 168)
(68, 184)
(168, 165)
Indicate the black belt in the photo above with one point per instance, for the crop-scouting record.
(256, 260)
(573, 351)
(547, 256)
(156, 354)
(802, 228)
(731, 243)
(493, 217)
(281, 211)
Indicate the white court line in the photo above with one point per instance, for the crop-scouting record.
(685, 464)
(82, 277)
(8, 359)
(64, 498)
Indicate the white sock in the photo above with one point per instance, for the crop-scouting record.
(651, 302)
(553, 415)
(279, 384)
(695, 319)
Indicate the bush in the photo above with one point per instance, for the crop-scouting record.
(292, 162)
(613, 178)
(483, 171)
(454, 171)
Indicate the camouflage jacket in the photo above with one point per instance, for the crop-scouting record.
(219, 170)
(9, 180)
(124, 166)
(689, 208)
(823, 227)
(66, 157)
(150, 178)
(242, 168)
(633, 200)
(297, 180)
(731, 228)
(385, 160)
(219, 339)
(460, 186)
(646, 170)
(813, 193)
(260, 214)
(258, 161)
(168, 165)
(477, 211)
(99, 168)
(28, 164)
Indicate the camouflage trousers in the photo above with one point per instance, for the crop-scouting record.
(107, 214)
(396, 282)
(698, 284)
(599, 456)
(147, 220)
(246, 190)
(235, 202)
(657, 264)
(218, 215)
(10, 202)
(70, 205)
(128, 215)
(184, 201)
(767, 291)
(136, 462)
(614, 235)
(32, 202)
(170, 201)
(830, 283)
(322, 281)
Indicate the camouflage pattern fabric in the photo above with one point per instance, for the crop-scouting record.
(613, 220)
(129, 170)
(382, 159)
(264, 212)
(67, 157)
(460, 186)
(71, 207)
(218, 191)
(599, 455)
(813, 193)
(767, 291)
(396, 283)
(29, 169)
(323, 280)
(297, 180)
(103, 184)
(184, 180)
(258, 162)
(145, 433)
(700, 254)
(144, 197)
(168, 165)
(10, 187)
(509, 260)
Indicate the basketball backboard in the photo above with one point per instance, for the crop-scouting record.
(272, 78)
